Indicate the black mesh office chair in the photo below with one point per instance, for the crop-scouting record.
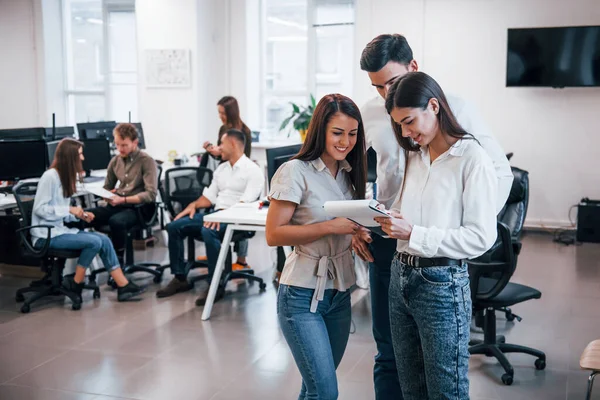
(491, 289)
(52, 261)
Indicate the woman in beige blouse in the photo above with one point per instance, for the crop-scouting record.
(313, 303)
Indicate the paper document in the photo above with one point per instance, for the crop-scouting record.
(100, 192)
(362, 212)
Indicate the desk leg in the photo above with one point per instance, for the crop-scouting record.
(216, 279)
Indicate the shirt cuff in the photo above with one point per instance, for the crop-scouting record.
(63, 211)
(418, 238)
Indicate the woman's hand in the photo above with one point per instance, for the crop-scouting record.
(76, 211)
(88, 216)
(189, 211)
(396, 226)
(360, 242)
(342, 226)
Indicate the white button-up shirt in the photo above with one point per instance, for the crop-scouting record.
(390, 156)
(242, 182)
(450, 202)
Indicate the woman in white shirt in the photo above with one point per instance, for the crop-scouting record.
(313, 302)
(52, 207)
(444, 215)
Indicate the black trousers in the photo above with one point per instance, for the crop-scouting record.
(120, 220)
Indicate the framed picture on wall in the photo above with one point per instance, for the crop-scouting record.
(168, 68)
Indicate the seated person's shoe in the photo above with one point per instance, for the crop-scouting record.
(174, 287)
(72, 286)
(201, 258)
(127, 292)
(201, 301)
(238, 266)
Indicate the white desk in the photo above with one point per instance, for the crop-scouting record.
(242, 217)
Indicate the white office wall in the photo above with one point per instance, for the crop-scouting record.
(554, 133)
(22, 102)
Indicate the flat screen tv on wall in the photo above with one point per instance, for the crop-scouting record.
(553, 57)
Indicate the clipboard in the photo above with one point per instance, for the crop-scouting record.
(362, 212)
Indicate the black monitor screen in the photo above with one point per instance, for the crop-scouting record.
(140, 130)
(96, 130)
(50, 150)
(96, 153)
(22, 159)
(59, 132)
(22, 134)
(279, 155)
(554, 57)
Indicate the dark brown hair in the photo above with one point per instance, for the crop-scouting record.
(232, 112)
(314, 145)
(68, 165)
(126, 131)
(414, 90)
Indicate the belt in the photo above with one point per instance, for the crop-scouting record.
(421, 262)
(325, 271)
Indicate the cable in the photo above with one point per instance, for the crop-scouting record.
(567, 236)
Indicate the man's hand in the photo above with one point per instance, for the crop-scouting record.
(213, 225)
(188, 211)
(116, 201)
(359, 244)
(396, 226)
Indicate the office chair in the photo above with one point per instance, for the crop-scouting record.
(491, 290)
(52, 261)
(147, 215)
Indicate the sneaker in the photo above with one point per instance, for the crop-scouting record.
(70, 285)
(174, 287)
(127, 292)
(238, 266)
(201, 258)
(201, 301)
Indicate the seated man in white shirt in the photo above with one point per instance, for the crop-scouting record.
(234, 181)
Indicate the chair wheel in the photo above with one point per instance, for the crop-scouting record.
(96, 293)
(157, 278)
(510, 316)
(76, 306)
(507, 379)
(19, 298)
(540, 364)
(25, 308)
(262, 286)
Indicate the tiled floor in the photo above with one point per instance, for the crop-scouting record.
(160, 349)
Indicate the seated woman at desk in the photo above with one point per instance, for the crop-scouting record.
(52, 207)
(313, 302)
(229, 114)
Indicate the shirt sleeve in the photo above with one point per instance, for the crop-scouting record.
(212, 191)
(150, 177)
(111, 177)
(470, 119)
(254, 187)
(477, 232)
(287, 183)
(46, 190)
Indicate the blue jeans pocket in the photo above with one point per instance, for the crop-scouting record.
(439, 276)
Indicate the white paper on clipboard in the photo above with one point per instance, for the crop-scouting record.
(362, 212)
(100, 192)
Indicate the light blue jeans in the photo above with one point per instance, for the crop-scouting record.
(91, 244)
(317, 340)
(430, 316)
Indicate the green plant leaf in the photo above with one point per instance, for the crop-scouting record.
(312, 101)
(296, 108)
(285, 122)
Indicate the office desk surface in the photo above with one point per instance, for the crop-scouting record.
(243, 214)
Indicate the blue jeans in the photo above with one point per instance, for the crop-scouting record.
(317, 340)
(385, 374)
(430, 314)
(91, 244)
(184, 227)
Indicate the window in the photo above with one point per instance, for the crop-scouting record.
(308, 49)
(101, 60)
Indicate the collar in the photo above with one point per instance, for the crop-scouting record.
(456, 150)
(239, 163)
(133, 155)
(320, 165)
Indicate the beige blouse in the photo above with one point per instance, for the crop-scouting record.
(326, 263)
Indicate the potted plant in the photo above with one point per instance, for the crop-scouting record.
(300, 118)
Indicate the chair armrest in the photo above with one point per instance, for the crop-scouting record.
(146, 223)
(29, 246)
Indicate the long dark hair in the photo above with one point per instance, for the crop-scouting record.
(314, 145)
(414, 90)
(232, 112)
(68, 164)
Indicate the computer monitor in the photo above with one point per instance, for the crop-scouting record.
(279, 155)
(22, 134)
(96, 130)
(96, 153)
(50, 150)
(141, 141)
(22, 159)
(60, 132)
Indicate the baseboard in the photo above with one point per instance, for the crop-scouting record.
(548, 226)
